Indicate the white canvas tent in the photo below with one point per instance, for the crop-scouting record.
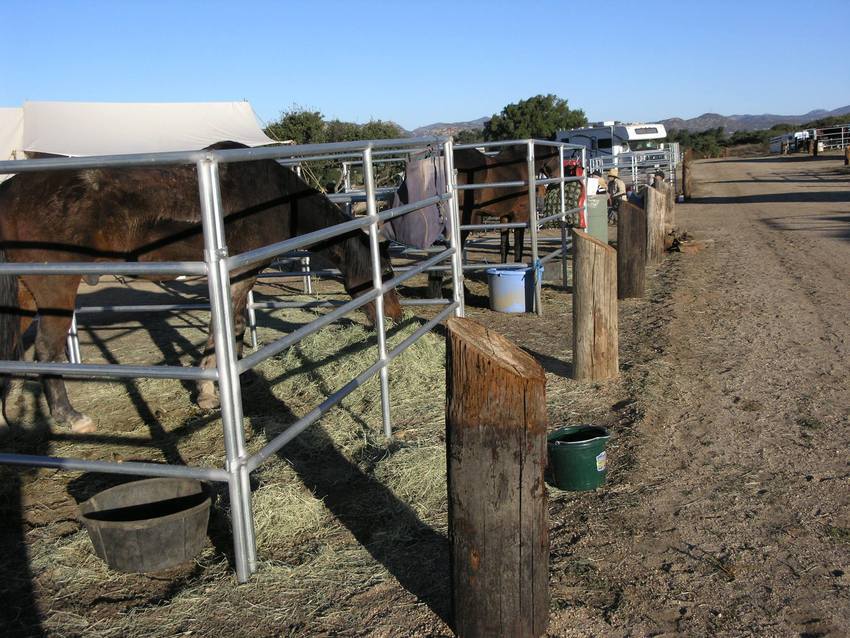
(98, 128)
(11, 133)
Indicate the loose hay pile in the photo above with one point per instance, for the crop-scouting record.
(341, 512)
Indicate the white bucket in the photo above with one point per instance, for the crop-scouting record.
(512, 289)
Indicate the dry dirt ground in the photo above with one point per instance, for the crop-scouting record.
(726, 511)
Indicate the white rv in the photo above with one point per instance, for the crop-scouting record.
(615, 138)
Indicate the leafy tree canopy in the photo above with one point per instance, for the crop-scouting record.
(539, 117)
(305, 126)
(468, 136)
(300, 125)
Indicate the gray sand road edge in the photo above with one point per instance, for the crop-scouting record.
(738, 515)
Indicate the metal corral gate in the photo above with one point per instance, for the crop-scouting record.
(827, 138)
(355, 194)
(534, 224)
(216, 266)
(830, 137)
(637, 167)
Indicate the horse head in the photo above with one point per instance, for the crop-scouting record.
(547, 160)
(357, 276)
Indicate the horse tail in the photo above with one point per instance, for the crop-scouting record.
(10, 324)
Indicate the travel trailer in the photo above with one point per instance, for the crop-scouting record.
(615, 138)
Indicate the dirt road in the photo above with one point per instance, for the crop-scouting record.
(729, 512)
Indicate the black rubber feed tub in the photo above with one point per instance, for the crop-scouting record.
(150, 525)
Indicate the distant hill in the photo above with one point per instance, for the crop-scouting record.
(732, 123)
(450, 128)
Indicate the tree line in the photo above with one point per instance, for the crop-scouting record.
(713, 142)
(538, 117)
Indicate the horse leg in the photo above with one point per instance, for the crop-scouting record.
(435, 285)
(207, 397)
(519, 243)
(28, 309)
(19, 311)
(55, 298)
(506, 240)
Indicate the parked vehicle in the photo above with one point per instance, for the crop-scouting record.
(610, 139)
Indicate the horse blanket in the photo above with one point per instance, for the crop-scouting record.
(425, 177)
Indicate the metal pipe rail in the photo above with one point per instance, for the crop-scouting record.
(311, 417)
(634, 163)
(535, 222)
(531, 185)
(217, 267)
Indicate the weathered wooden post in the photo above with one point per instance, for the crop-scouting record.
(654, 204)
(670, 208)
(595, 338)
(498, 519)
(631, 251)
(687, 179)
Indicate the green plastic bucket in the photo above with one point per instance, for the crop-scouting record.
(577, 457)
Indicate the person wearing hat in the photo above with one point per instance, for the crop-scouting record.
(616, 193)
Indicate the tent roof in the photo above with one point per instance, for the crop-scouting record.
(11, 132)
(99, 128)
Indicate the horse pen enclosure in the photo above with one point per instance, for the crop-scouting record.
(725, 510)
(217, 264)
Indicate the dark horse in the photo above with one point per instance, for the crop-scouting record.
(507, 204)
(152, 214)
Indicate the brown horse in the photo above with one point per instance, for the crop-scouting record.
(507, 204)
(152, 214)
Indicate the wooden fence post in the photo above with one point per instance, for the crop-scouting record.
(687, 180)
(847, 156)
(654, 206)
(496, 452)
(631, 251)
(595, 339)
(670, 208)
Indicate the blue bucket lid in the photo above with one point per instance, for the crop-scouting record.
(506, 272)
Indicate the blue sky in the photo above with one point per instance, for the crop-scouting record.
(422, 62)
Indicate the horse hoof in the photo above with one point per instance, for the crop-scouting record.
(208, 401)
(83, 425)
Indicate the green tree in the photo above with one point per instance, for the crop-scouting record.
(305, 126)
(339, 131)
(380, 130)
(469, 136)
(539, 117)
(300, 125)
